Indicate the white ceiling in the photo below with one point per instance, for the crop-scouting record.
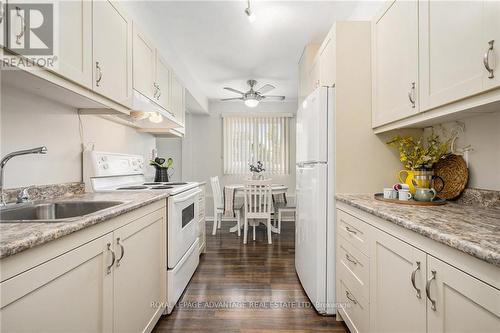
(220, 47)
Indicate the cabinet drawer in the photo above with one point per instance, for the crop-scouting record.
(353, 265)
(353, 309)
(354, 230)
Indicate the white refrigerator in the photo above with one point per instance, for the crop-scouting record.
(315, 221)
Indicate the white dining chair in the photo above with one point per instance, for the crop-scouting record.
(219, 208)
(281, 205)
(258, 206)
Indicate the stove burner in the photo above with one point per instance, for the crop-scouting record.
(138, 187)
(161, 187)
(153, 183)
(173, 183)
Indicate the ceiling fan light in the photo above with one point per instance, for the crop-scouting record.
(250, 15)
(251, 102)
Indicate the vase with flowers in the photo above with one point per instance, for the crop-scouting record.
(418, 157)
(257, 170)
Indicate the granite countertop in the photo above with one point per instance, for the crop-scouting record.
(471, 229)
(17, 237)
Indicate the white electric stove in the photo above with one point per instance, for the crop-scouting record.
(104, 172)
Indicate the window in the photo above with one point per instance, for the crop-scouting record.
(249, 139)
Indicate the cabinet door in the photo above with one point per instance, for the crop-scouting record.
(327, 70)
(163, 74)
(492, 33)
(314, 75)
(451, 51)
(177, 105)
(397, 303)
(3, 19)
(71, 293)
(144, 65)
(75, 41)
(140, 273)
(395, 63)
(462, 302)
(112, 52)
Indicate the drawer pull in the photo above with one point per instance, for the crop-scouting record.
(413, 280)
(486, 60)
(122, 252)
(113, 257)
(411, 95)
(428, 290)
(348, 257)
(351, 230)
(348, 295)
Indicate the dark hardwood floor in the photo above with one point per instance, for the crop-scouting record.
(247, 288)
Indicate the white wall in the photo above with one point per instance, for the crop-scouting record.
(171, 147)
(28, 121)
(202, 146)
(483, 134)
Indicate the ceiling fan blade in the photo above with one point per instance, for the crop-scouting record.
(274, 97)
(265, 88)
(234, 90)
(232, 99)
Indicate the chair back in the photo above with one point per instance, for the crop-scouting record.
(258, 198)
(216, 191)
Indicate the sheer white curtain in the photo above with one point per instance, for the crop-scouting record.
(248, 139)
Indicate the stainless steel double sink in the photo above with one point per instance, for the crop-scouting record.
(60, 211)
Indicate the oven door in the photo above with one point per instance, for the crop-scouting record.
(182, 224)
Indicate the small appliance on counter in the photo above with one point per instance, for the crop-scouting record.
(103, 172)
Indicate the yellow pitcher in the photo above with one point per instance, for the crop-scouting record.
(407, 179)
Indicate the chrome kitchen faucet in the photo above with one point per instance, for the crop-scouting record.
(6, 158)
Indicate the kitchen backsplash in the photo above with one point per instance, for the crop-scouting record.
(43, 192)
(478, 197)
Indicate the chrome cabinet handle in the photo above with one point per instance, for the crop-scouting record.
(350, 230)
(155, 89)
(428, 292)
(411, 95)
(23, 27)
(159, 92)
(347, 294)
(122, 250)
(486, 60)
(348, 257)
(98, 70)
(113, 257)
(413, 280)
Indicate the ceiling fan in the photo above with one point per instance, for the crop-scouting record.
(253, 97)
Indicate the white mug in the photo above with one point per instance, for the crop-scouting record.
(390, 193)
(404, 195)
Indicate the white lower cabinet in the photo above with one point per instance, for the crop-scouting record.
(140, 274)
(462, 303)
(410, 290)
(397, 282)
(71, 293)
(113, 283)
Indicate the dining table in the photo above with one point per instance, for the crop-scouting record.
(276, 189)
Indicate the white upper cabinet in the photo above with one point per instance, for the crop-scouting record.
(112, 52)
(327, 69)
(163, 75)
(395, 63)
(491, 50)
(144, 58)
(75, 41)
(458, 302)
(177, 104)
(452, 44)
